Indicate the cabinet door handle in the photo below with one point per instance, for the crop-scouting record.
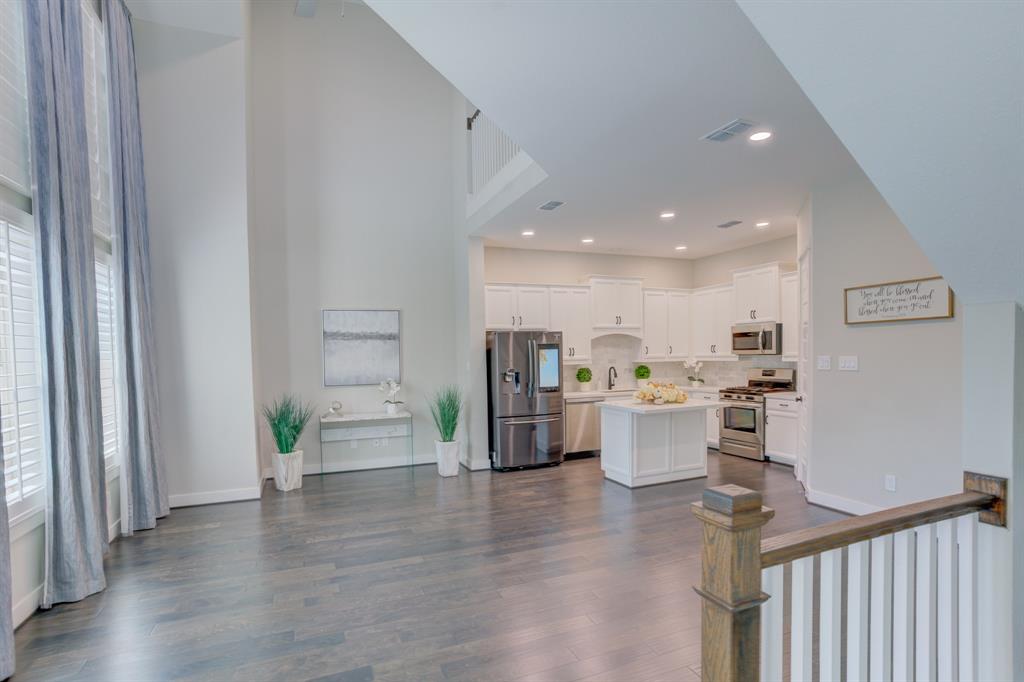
(646, 351)
(718, 413)
(755, 313)
(670, 350)
(766, 420)
(513, 320)
(520, 320)
(799, 398)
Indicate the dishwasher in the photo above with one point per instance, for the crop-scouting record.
(583, 426)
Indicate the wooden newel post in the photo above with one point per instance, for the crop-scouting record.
(731, 582)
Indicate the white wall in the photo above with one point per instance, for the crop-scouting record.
(566, 267)
(900, 413)
(192, 91)
(353, 193)
(718, 269)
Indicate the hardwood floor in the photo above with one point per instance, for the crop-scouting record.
(551, 574)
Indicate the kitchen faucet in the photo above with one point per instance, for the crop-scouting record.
(612, 376)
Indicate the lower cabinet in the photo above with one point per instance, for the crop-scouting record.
(712, 415)
(781, 430)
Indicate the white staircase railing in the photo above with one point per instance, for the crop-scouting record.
(490, 150)
(909, 598)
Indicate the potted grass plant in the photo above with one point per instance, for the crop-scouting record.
(287, 418)
(445, 408)
(584, 376)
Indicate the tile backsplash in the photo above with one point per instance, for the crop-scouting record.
(621, 351)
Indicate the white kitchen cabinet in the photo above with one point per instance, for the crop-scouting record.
(512, 307)
(666, 325)
(678, 325)
(711, 319)
(789, 293)
(756, 294)
(570, 314)
(534, 307)
(712, 416)
(501, 309)
(617, 304)
(655, 341)
(781, 430)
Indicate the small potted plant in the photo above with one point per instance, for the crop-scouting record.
(695, 368)
(642, 373)
(390, 388)
(584, 376)
(287, 418)
(445, 408)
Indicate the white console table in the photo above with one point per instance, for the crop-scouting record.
(365, 440)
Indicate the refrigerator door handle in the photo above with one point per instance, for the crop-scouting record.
(533, 421)
(530, 368)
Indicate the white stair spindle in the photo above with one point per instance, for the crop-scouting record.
(946, 615)
(967, 593)
(903, 606)
(830, 642)
(857, 603)
(771, 624)
(925, 659)
(881, 609)
(802, 621)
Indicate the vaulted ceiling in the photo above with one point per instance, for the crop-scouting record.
(612, 99)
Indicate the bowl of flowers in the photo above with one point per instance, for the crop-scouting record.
(660, 394)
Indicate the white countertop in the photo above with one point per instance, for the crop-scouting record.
(782, 395)
(649, 408)
(576, 395)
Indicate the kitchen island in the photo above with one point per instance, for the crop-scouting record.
(644, 444)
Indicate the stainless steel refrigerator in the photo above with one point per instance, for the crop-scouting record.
(524, 381)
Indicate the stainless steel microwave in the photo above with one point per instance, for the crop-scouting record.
(761, 338)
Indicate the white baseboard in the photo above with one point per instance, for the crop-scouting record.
(26, 606)
(215, 496)
(114, 530)
(839, 503)
(788, 460)
(477, 464)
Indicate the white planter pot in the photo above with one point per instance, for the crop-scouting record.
(696, 384)
(390, 408)
(447, 458)
(585, 386)
(288, 470)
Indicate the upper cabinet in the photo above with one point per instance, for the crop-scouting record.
(711, 320)
(789, 292)
(617, 304)
(757, 294)
(666, 325)
(513, 307)
(570, 314)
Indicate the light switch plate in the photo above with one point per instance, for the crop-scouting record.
(824, 362)
(847, 363)
(890, 483)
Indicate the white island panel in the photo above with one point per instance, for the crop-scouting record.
(643, 444)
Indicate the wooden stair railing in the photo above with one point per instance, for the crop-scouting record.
(909, 601)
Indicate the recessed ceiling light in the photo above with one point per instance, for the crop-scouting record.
(681, 247)
(760, 136)
(587, 240)
(527, 233)
(666, 215)
(761, 226)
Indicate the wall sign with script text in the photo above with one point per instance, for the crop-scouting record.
(912, 299)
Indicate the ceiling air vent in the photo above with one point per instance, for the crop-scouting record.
(550, 206)
(729, 131)
(731, 223)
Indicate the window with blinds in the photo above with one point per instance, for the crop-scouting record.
(94, 54)
(21, 396)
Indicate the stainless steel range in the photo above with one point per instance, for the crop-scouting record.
(741, 427)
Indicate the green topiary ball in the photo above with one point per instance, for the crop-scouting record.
(642, 372)
(583, 375)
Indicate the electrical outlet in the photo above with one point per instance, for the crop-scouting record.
(847, 363)
(376, 442)
(384, 442)
(890, 483)
(825, 362)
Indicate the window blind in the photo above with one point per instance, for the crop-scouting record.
(108, 353)
(14, 131)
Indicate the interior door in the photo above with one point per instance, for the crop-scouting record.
(804, 374)
(655, 341)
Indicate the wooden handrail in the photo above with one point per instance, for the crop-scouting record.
(782, 549)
